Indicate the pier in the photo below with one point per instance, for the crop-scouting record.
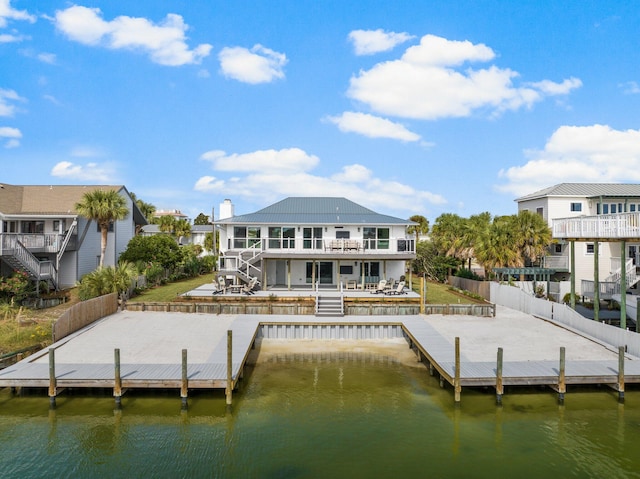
(182, 351)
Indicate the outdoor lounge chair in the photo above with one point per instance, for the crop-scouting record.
(398, 290)
(248, 288)
(381, 286)
(222, 284)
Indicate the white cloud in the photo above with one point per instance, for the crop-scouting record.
(368, 42)
(91, 172)
(12, 38)
(258, 65)
(164, 42)
(9, 13)
(49, 58)
(630, 88)
(265, 183)
(12, 135)
(372, 126)
(596, 153)
(428, 82)
(7, 96)
(288, 159)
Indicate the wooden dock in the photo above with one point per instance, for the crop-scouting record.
(439, 354)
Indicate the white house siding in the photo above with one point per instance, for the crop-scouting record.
(89, 251)
(67, 270)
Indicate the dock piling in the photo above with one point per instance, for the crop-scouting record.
(562, 387)
(184, 389)
(117, 382)
(52, 378)
(229, 389)
(456, 381)
(499, 385)
(621, 373)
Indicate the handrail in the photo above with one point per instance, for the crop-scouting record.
(65, 242)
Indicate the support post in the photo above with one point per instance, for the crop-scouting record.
(572, 261)
(456, 381)
(623, 284)
(184, 385)
(562, 387)
(52, 378)
(229, 389)
(621, 374)
(499, 385)
(117, 383)
(423, 298)
(596, 281)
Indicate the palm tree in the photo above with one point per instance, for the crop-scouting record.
(422, 228)
(104, 207)
(167, 224)
(533, 235)
(182, 228)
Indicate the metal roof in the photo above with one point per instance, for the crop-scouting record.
(587, 190)
(315, 210)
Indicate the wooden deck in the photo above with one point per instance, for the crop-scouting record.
(211, 373)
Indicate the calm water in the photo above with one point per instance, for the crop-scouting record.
(330, 415)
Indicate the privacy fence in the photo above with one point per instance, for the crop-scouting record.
(83, 314)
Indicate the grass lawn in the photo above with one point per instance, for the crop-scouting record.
(438, 293)
(168, 292)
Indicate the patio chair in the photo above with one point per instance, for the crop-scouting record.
(380, 288)
(222, 284)
(398, 290)
(248, 288)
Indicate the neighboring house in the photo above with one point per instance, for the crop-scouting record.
(175, 214)
(303, 241)
(197, 237)
(604, 201)
(44, 236)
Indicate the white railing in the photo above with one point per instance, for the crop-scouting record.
(623, 225)
(328, 245)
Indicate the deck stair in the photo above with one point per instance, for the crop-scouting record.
(19, 258)
(243, 264)
(610, 286)
(329, 305)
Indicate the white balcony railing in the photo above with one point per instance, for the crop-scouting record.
(619, 226)
(328, 245)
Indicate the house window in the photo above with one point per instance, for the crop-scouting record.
(32, 227)
(376, 238)
(540, 211)
(613, 209)
(371, 271)
(282, 237)
(245, 237)
(9, 226)
(605, 209)
(346, 269)
(312, 238)
(576, 206)
(632, 207)
(590, 248)
(343, 234)
(557, 248)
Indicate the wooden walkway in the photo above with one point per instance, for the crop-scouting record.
(429, 344)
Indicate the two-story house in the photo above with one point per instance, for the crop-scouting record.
(301, 242)
(44, 236)
(583, 213)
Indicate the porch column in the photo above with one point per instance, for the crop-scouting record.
(264, 274)
(313, 275)
(572, 265)
(289, 275)
(623, 284)
(596, 281)
(338, 275)
(362, 267)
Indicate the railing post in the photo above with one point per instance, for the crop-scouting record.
(499, 385)
(117, 383)
(621, 373)
(52, 378)
(562, 388)
(184, 389)
(456, 380)
(229, 389)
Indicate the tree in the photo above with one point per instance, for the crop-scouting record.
(448, 235)
(182, 228)
(533, 235)
(422, 228)
(147, 209)
(167, 224)
(114, 279)
(160, 249)
(201, 220)
(103, 207)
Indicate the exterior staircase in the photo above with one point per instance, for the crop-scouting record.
(329, 305)
(610, 286)
(19, 258)
(244, 264)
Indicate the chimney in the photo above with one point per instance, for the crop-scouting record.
(226, 209)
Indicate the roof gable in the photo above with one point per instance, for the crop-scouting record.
(315, 210)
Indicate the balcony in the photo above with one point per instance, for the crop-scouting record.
(37, 243)
(623, 226)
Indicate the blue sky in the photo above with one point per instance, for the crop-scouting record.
(404, 107)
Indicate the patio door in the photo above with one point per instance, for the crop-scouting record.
(324, 272)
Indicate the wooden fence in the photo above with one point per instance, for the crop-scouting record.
(240, 307)
(487, 310)
(481, 288)
(84, 313)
